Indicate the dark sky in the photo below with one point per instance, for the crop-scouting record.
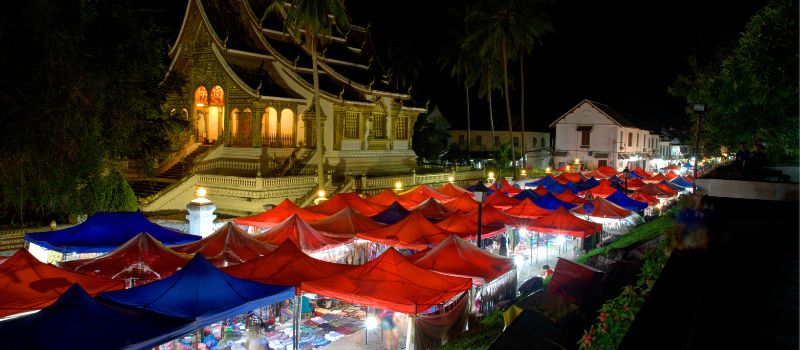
(622, 53)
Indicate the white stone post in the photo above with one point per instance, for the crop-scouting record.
(201, 217)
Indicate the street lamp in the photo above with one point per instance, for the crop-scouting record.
(627, 173)
(491, 178)
(480, 197)
(698, 109)
(547, 170)
(320, 197)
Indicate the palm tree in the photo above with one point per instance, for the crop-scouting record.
(540, 24)
(499, 29)
(488, 78)
(316, 20)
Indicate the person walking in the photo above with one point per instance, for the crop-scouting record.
(390, 333)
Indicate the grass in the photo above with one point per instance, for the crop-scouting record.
(638, 235)
(480, 335)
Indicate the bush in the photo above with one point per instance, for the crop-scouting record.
(642, 233)
(480, 335)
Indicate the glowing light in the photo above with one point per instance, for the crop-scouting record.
(398, 185)
(200, 105)
(519, 260)
(523, 172)
(371, 322)
(523, 232)
(451, 179)
(577, 161)
(567, 167)
(547, 170)
(561, 240)
(201, 192)
(491, 175)
(321, 194)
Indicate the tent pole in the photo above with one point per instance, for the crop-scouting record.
(410, 336)
(296, 320)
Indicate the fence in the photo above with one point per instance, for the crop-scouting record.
(378, 184)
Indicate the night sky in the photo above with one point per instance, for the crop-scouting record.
(622, 53)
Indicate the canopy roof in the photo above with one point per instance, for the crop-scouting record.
(278, 214)
(76, 321)
(626, 202)
(527, 209)
(464, 202)
(143, 258)
(504, 186)
(347, 200)
(455, 256)
(200, 292)
(671, 167)
(493, 216)
(451, 190)
(672, 185)
(606, 170)
(562, 222)
(421, 193)
(547, 180)
(501, 201)
(303, 235)
(390, 282)
(634, 184)
(591, 182)
(104, 232)
(640, 172)
(602, 208)
(288, 266)
(604, 189)
(227, 246)
(27, 284)
(681, 182)
(654, 179)
(656, 191)
(666, 188)
(394, 213)
(557, 187)
(480, 186)
(550, 202)
(541, 191)
(526, 194)
(598, 174)
(671, 175)
(432, 209)
(414, 232)
(569, 197)
(464, 227)
(569, 177)
(644, 197)
(388, 197)
(347, 221)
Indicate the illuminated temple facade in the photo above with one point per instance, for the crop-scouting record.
(249, 86)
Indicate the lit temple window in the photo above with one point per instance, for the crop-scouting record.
(201, 97)
(217, 96)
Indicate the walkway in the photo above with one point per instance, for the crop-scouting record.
(146, 187)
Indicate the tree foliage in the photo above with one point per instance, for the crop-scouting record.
(752, 93)
(428, 141)
(84, 86)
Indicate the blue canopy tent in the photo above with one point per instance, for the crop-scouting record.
(200, 292)
(545, 181)
(614, 179)
(472, 188)
(680, 181)
(550, 202)
(105, 232)
(556, 188)
(583, 185)
(530, 194)
(572, 187)
(626, 202)
(76, 321)
(392, 214)
(592, 182)
(673, 185)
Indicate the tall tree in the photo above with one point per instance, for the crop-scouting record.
(311, 23)
(499, 28)
(84, 82)
(488, 79)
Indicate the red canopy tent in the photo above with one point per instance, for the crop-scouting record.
(654, 179)
(644, 197)
(667, 189)
(464, 202)
(414, 232)
(142, 259)
(562, 222)
(541, 190)
(501, 201)
(287, 265)
(597, 175)
(528, 209)
(464, 227)
(604, 189)
(634, 184)
(451, 190)
(390, 282)
(278, 214)
(457, 257)
(670, 167)
(345, 200)
(569, 197)
(563, 178)
(505, 187)
(227, 246)
(689, 178)
(27, 284)
(432, 209)
(421, 193)
(347, 222)
(655, 191)
(606, 170)
(639, 171)
(493, 216)
(387, 197)
(303, 235)
(601, 208)
(671, 175)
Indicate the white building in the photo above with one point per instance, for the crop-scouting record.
(597, 135)
(537, 143)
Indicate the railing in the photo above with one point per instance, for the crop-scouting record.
(206, 153)
(373, 185)
(175, 157)
(245, 183)
(277, 141)
(227, 164)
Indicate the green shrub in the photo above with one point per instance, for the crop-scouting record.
(480, 335)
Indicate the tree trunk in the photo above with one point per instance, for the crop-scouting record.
(491, 119)
(504, 57)
(522, 110)
(469, 134)
(317, 117)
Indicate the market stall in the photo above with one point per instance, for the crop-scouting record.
(347, 200)
(604, 189)
(615, 219)
(309, 239)
(550, 202)
(228, 245)
(527, 209)
(462, 226)
(432, 209)
(388, 197)
(414, 232)
(278, 214)
(394, 213)
(141, 260)
(27, 284)
(421, 193)
(622, 200)
(464, 202)
(451, 190)
(493, 216)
